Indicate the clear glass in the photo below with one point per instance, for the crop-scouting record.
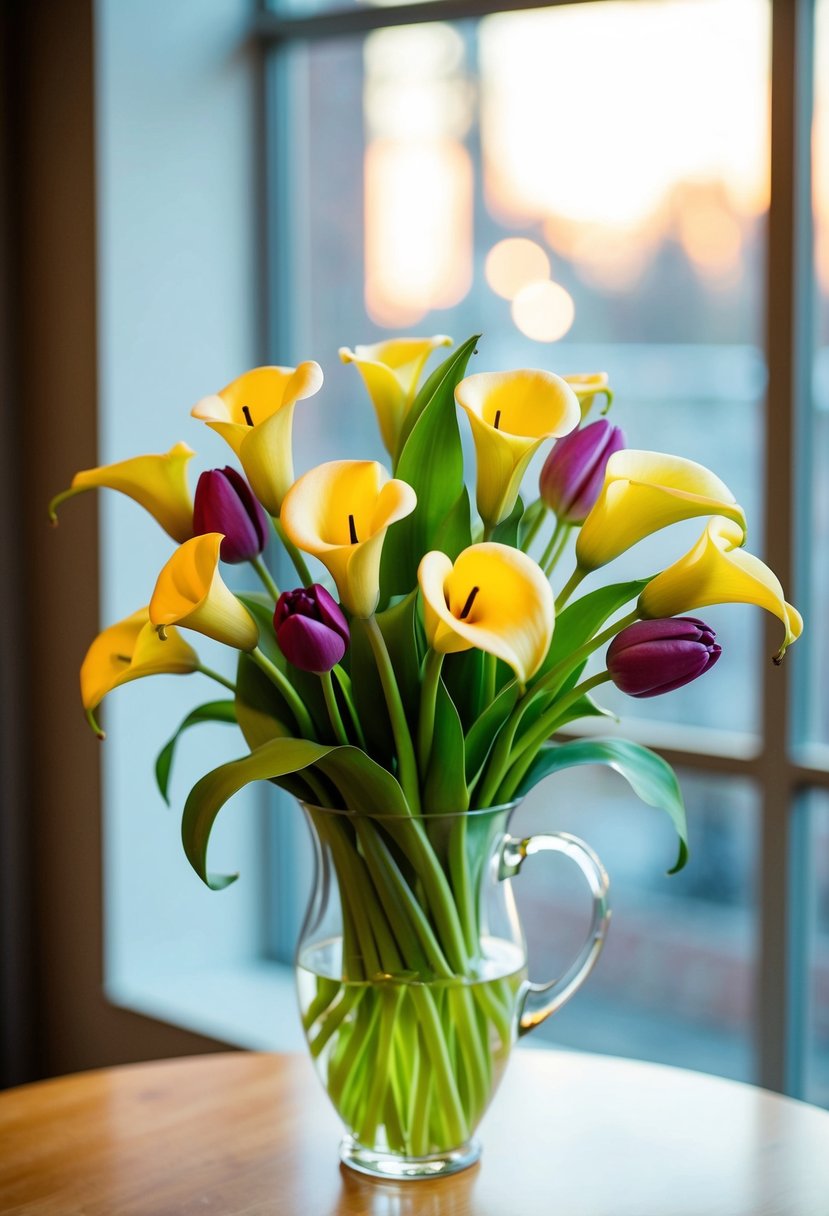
(412, 977)
(445, 179)
(816, 1079)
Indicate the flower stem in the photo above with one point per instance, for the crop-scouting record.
(266, 577)
(569, 587)
(288, 691)
(344, 682)
(553, 560)
(333, 708)
(428, 699)
(214, 675)
(558, 530)
(300, 565)
(407, 764)
(535, 527)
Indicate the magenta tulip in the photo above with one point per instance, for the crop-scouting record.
(310, 628)
(225, 503)
(652, 657)
(573, 473)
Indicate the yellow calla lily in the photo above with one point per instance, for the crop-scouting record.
(718, 571)
(493, 597)
(644, 492)
(157, 482)
(391, 371)
(190, 592)
(127, 651)
(588, 386)
(255, 415)
(511, 414)
(339, 512)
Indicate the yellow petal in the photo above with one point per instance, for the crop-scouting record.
(129, 650)
(511, 414)
(646, 491)
(391, 371)
(157, 482)
(334, 503)
(588, 386)
(254, 414)
(190, 592)
(718, 571)
(494, 598)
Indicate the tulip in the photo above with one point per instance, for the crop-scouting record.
(190, 592)
(511, 414)
(127, 651)
(255, 415)
(718, 571)
(157, 482)
(494, 598)
(225, 503)
(310, 628)
(646, 491)
(339, 512)
(652, 657)
(588, 386)
(573, 473)
(391, 371)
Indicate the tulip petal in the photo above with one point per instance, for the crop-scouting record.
(309, 644)
(129, 650)
(157, 482)
(718, 571)
(190, 592)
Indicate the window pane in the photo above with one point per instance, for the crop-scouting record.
(675, 981)
(816, 1088)
(641, 228)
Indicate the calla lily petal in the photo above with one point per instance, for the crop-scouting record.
(588, 386)
(190, 592)
(157, 482)
(644, 492)
(511, 414)
(494, 598)
(718, 571)
(339, 512)
(254, 414)
(391, 371)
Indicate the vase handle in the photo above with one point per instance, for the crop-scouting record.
(540, 1000)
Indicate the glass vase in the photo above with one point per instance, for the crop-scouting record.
(412, 977)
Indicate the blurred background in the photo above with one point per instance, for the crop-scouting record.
(634, 186)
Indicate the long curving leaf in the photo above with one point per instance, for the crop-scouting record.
(445, 789)
(650, 777)
(211, 711)
(484, 730)
(579, 621)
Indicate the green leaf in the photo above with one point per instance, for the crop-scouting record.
(650, 777)
(582, 619)
(261, 710)
(445, 789)
(585, 707)
(484, 731)
(400, 628)
(533, 511)
(431, 461)
(212, 711)
(463, 674)
(506, 532)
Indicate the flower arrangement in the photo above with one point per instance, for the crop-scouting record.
(428, 679)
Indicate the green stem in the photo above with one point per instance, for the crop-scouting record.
(558, 531)
(300, 565)
(266, 577)
(344, 682)
(553, 561)
(428, 699)
(288, 691)
(214, 675)
(556, 675)
(407, 764)
(569, 587)
(535, 527)
(333, 708)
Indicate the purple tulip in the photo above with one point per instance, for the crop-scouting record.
(225, 503)
(310, 628)
(572, 477)
(652, 657)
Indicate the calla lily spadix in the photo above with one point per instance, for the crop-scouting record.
(339, 512)
(157, 482)
(511, 414)
(718, 571)
(644, 492)
(494, 598)
(254, 414)
(588, 386)
(190, 592)
(391, 371)
(127, 651)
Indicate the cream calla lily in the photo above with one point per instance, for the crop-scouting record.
(339, 512)
(494, 598)
(190, 592)
(127, 651)
(644, 492)
(254, 415)
(157, 482)
(588, 386)
(511, 414)
(391, 371)
(718, 571)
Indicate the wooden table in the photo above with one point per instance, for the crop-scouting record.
(568, 1135)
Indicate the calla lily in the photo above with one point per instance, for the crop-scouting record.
(255, 415)
(718, 571)
(391, 371)
(588, 386)
(494, 598)
(644, 492)
(511, 414)
(339, 513)
(127, 651)
(190, 592)
(157, 482)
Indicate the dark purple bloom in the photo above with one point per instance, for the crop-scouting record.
(310, 628)
(225, 503)
(572, 477)
(652, 657)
